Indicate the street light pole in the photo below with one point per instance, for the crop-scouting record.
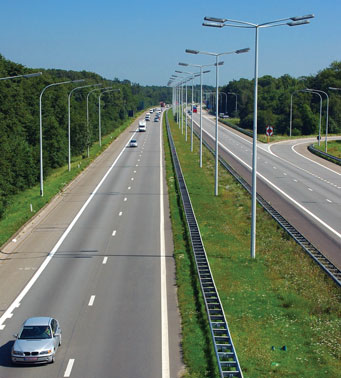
(69, 120)
(318, 90)
(41, 129)
(291, 112)
(236, 109)
(223, 93)
(99, 114)
(220, 23)
(217, 55)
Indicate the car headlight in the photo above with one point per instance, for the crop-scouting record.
(17, 352)
(46, 351)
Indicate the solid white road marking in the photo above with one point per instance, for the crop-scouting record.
(164, 310)
(92, 300)
(49, 257)
(69, 367)
(105, 259)
(280, 190)
(113, 233)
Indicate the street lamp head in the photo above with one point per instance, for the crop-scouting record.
(297, 23)
(183, 64)
(189, 51)
(212, 25)
(33, 74)
(241, 51)
(215, 19)
(299, 18)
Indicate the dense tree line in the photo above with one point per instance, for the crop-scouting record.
(274, 102)
(19, 119)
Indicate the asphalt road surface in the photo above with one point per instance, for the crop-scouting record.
(306, 192)
(106, 282)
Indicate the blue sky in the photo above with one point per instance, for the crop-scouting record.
(143, 41)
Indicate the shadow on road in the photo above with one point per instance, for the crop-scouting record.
(5, 353)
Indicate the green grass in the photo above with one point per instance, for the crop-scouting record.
(334, 147)
(18, 210)
(279, 299)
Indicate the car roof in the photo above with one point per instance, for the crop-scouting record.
(38, 320)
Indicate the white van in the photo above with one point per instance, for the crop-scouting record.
(142, 125)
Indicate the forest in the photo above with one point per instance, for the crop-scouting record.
(19, 119)
(274, 97)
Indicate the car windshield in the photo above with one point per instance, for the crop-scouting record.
(35, 332)
(133, 141)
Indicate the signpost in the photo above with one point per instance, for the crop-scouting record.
(269, 132)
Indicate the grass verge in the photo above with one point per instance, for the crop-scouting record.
(283, 311)
(334, 147)
(18, 211)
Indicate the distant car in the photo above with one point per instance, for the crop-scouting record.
(37, 342)
(133, 143)
(156, 119)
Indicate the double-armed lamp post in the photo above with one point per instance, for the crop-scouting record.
(225, 22)
(217, 55)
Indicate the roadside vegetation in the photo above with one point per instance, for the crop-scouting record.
(334, 147)
(19, 119)
(283, 311)
(18, 209)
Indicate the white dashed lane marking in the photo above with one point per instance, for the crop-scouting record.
(113, 233)
(69, 367)
(125, 199)
(92, 300)
(120, 214)
(105, 259)
(328, 200)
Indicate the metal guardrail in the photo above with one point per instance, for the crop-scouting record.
(308, 247)
(332, 158)
(224, 349)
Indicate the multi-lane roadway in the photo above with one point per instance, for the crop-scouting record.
(105, 272)
(305, 191)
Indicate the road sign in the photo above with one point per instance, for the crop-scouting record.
(269, 130)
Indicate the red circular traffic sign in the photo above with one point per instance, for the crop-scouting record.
(269, 130)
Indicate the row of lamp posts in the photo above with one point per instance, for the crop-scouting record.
(221, 23)
(104, 90)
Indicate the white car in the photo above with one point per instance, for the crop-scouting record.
(142, 126)
(133, 143)
(37, 342)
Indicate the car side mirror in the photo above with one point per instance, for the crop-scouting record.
(57, 334)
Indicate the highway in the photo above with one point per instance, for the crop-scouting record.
(306, 192)
(109, 274)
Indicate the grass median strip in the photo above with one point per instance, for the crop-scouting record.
(283, 311)
(18, 211)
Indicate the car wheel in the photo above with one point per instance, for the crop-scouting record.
(53, 359)
(60, 341)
